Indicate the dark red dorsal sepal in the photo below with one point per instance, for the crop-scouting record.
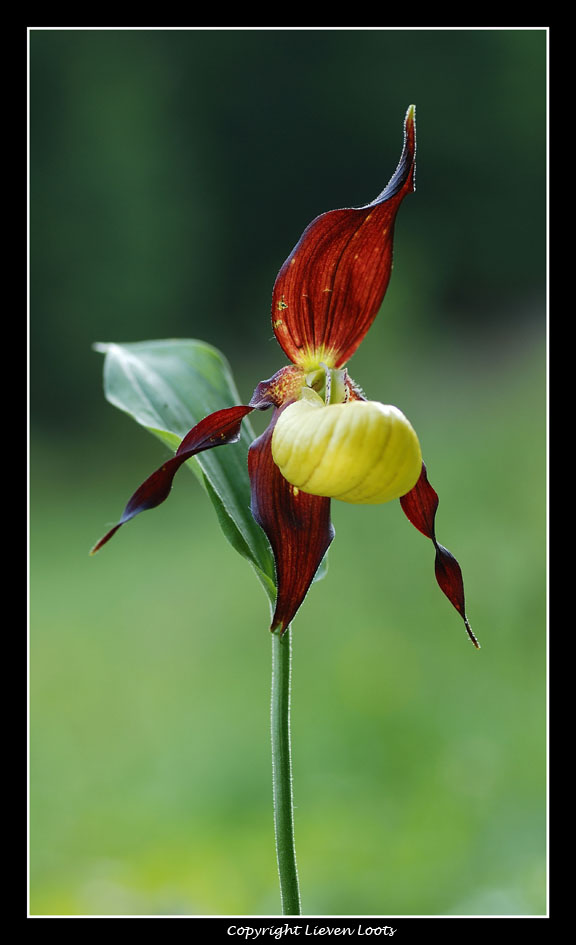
(329, 290)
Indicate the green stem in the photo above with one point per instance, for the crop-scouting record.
(282, 773)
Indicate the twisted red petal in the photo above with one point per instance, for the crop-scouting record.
(216, 430)
(330, 288)
(420, 505)
(297, 525)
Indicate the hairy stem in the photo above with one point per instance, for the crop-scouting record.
(282, 773)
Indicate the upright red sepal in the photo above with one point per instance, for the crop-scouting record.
(330, 288)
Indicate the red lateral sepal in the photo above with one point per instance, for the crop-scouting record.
(297, 525)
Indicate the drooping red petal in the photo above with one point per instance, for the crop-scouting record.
(297, 525)
(330, 288)
(216, 430)
(420, 505)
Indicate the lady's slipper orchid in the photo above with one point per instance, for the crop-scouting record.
(325, 439)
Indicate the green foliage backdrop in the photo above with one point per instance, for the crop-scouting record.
(172, 171)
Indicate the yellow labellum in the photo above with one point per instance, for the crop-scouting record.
(360, 451)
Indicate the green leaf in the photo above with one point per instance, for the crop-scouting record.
(168, 387)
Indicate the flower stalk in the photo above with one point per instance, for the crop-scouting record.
(282, 772)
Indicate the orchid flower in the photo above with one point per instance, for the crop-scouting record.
(325, 440)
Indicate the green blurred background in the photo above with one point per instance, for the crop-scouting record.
(172, 171)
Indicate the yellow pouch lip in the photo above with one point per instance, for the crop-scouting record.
(362, 452)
